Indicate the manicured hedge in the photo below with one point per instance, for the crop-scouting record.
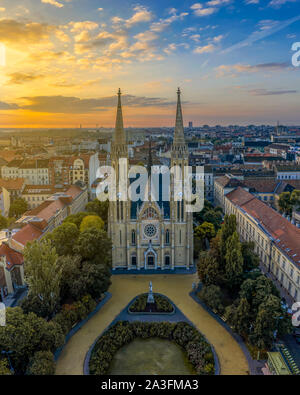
(71, 314)
(198, 351)
(162, 304)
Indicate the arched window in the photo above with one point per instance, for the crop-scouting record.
(167, 236)
(133, 260)
(133, 239)
(167, 260)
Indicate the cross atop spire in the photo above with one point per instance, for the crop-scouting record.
(119, 130)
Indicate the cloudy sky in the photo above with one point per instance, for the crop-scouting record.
(65, 60)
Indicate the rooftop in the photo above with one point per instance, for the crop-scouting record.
(12, 257)
(286, 236)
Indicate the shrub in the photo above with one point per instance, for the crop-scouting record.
(198, 350)
(70, 315)
(41, 364)
(162, 304)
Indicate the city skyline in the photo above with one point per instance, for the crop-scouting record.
(65, 61)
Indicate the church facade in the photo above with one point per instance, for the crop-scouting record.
(150, 234)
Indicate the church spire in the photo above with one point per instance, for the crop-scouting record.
(179, 145)
(179, 129)
(119, 129)
(119, 143)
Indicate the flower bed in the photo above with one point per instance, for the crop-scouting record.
(198, 351)
(162, 305)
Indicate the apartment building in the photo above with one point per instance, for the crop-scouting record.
(11, 270)
(222, 186)
(83, 168)
(48, 215)
(277, 241)
(37, 194)
(34, 171)
(15, 187)
(287, 171)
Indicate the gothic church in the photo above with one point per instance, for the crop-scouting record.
(150, 235)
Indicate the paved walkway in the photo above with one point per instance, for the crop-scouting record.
(177, 287)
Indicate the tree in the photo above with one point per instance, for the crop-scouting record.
(212, 296)
(3, 222)
(18, 207)
(234, 261)
(93, 243)
(4, 369)
(295, 199)
(25, 334)
(251, 260)
(289, 201)
(270, 319)
(284, 203)
(208, 269)
(41, 364)
(204, 233)
(214, 217)
(63, 238)
(100, 208)
(240, 317)
(88, 272)
(76, 218)
(43, 275)
(91, 221)
(227, 230)
(256, 291)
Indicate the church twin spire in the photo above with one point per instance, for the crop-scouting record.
(120, 137)
(179, 140)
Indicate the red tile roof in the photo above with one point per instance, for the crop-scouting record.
(229, 182)
(12, 257)
(15, 184)
(262, 185)
(26, 234)
(286, 236)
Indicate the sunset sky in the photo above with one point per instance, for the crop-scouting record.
(65, 60)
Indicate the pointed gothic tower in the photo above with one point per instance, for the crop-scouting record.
(182, 221)
(119, 210)
(179, 148)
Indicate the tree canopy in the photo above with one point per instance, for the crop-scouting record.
(42, 273)
(18, 207)
(91, 221)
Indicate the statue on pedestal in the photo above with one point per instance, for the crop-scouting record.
(150, 294)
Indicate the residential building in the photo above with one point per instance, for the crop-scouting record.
(277, 240)
(15, 187)
(34, 171)
(287, 171)
(222, 186)
(11, 270)
(37, 194)
(48, 215)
